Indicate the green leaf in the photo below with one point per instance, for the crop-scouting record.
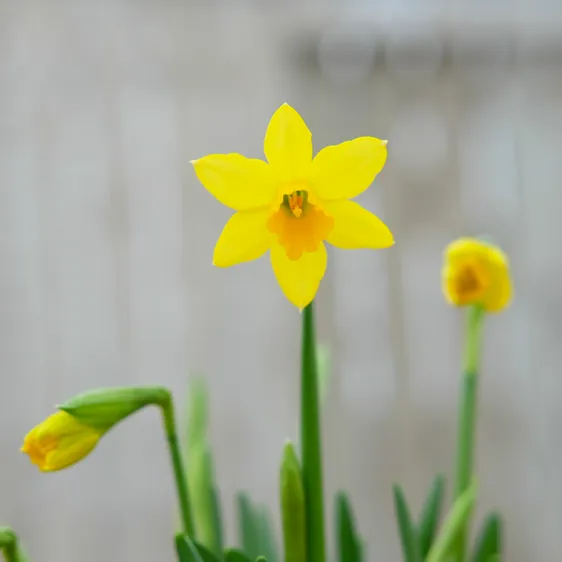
(489, 539)
(349, 544)
(200, 471)
(235, 555)
(191, 551)
(186, 550)
(198, 399)
(248, 529)
(430, 514)
(267, 543)
(255, 529)
(217, 518)
(261, 559)
(205, 553)
(452, 526)
(408, 537)
(293, 515)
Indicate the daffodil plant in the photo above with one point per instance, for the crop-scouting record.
(291, 206)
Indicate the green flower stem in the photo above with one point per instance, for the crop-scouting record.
(311, 451)
(178, 466)
(467, 416)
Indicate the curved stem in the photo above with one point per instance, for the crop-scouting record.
(311, 448)
(178, 466)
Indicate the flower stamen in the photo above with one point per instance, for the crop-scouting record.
(296, 202)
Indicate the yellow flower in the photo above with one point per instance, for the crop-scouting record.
(60, 441)
(293, 203)
(476, 272)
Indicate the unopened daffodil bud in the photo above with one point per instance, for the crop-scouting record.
(60, 441)
(69, 435)
(476, 272)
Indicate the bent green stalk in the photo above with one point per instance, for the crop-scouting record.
(467, 416)
(177, 465)
(311, 449)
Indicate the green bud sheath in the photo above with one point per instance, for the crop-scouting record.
(292, 507)
(102, 408)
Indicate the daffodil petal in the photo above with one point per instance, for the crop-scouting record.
(288, 144)
(355, 227)
(345, 170)
(236, 181)
(72, 450)
(245, 237)
(299, 279)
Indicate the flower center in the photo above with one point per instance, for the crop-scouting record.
(470, 281)
(295, 201)
(300, 224)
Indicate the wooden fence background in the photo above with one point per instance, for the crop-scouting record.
(106, 241)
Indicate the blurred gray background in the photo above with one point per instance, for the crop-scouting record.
(106, 241)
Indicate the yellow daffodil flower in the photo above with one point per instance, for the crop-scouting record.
(60, 441)
(476, 272)
(293, 203)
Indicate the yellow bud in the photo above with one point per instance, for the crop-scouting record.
(476, 272)
(69, 435)
(60, 441)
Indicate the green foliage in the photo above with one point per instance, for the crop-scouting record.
(235, 555)
(349, 543)
(408, 538)
(255, 529)
(488, 542)
(293, 507)
(200, 471)
(453, 526)
(429, 518)
(189, 550)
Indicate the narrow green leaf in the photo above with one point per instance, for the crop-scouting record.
(217, 518)
(408, 537)
(293, 515)
(429, 518)
(452, 526)
(489, 539)
(198, 399)
(235, 555)
(205, 553)
(267, 542)
(186, 550)
(200, 473)
(495, 558)
(349, 546)
(248, 530)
